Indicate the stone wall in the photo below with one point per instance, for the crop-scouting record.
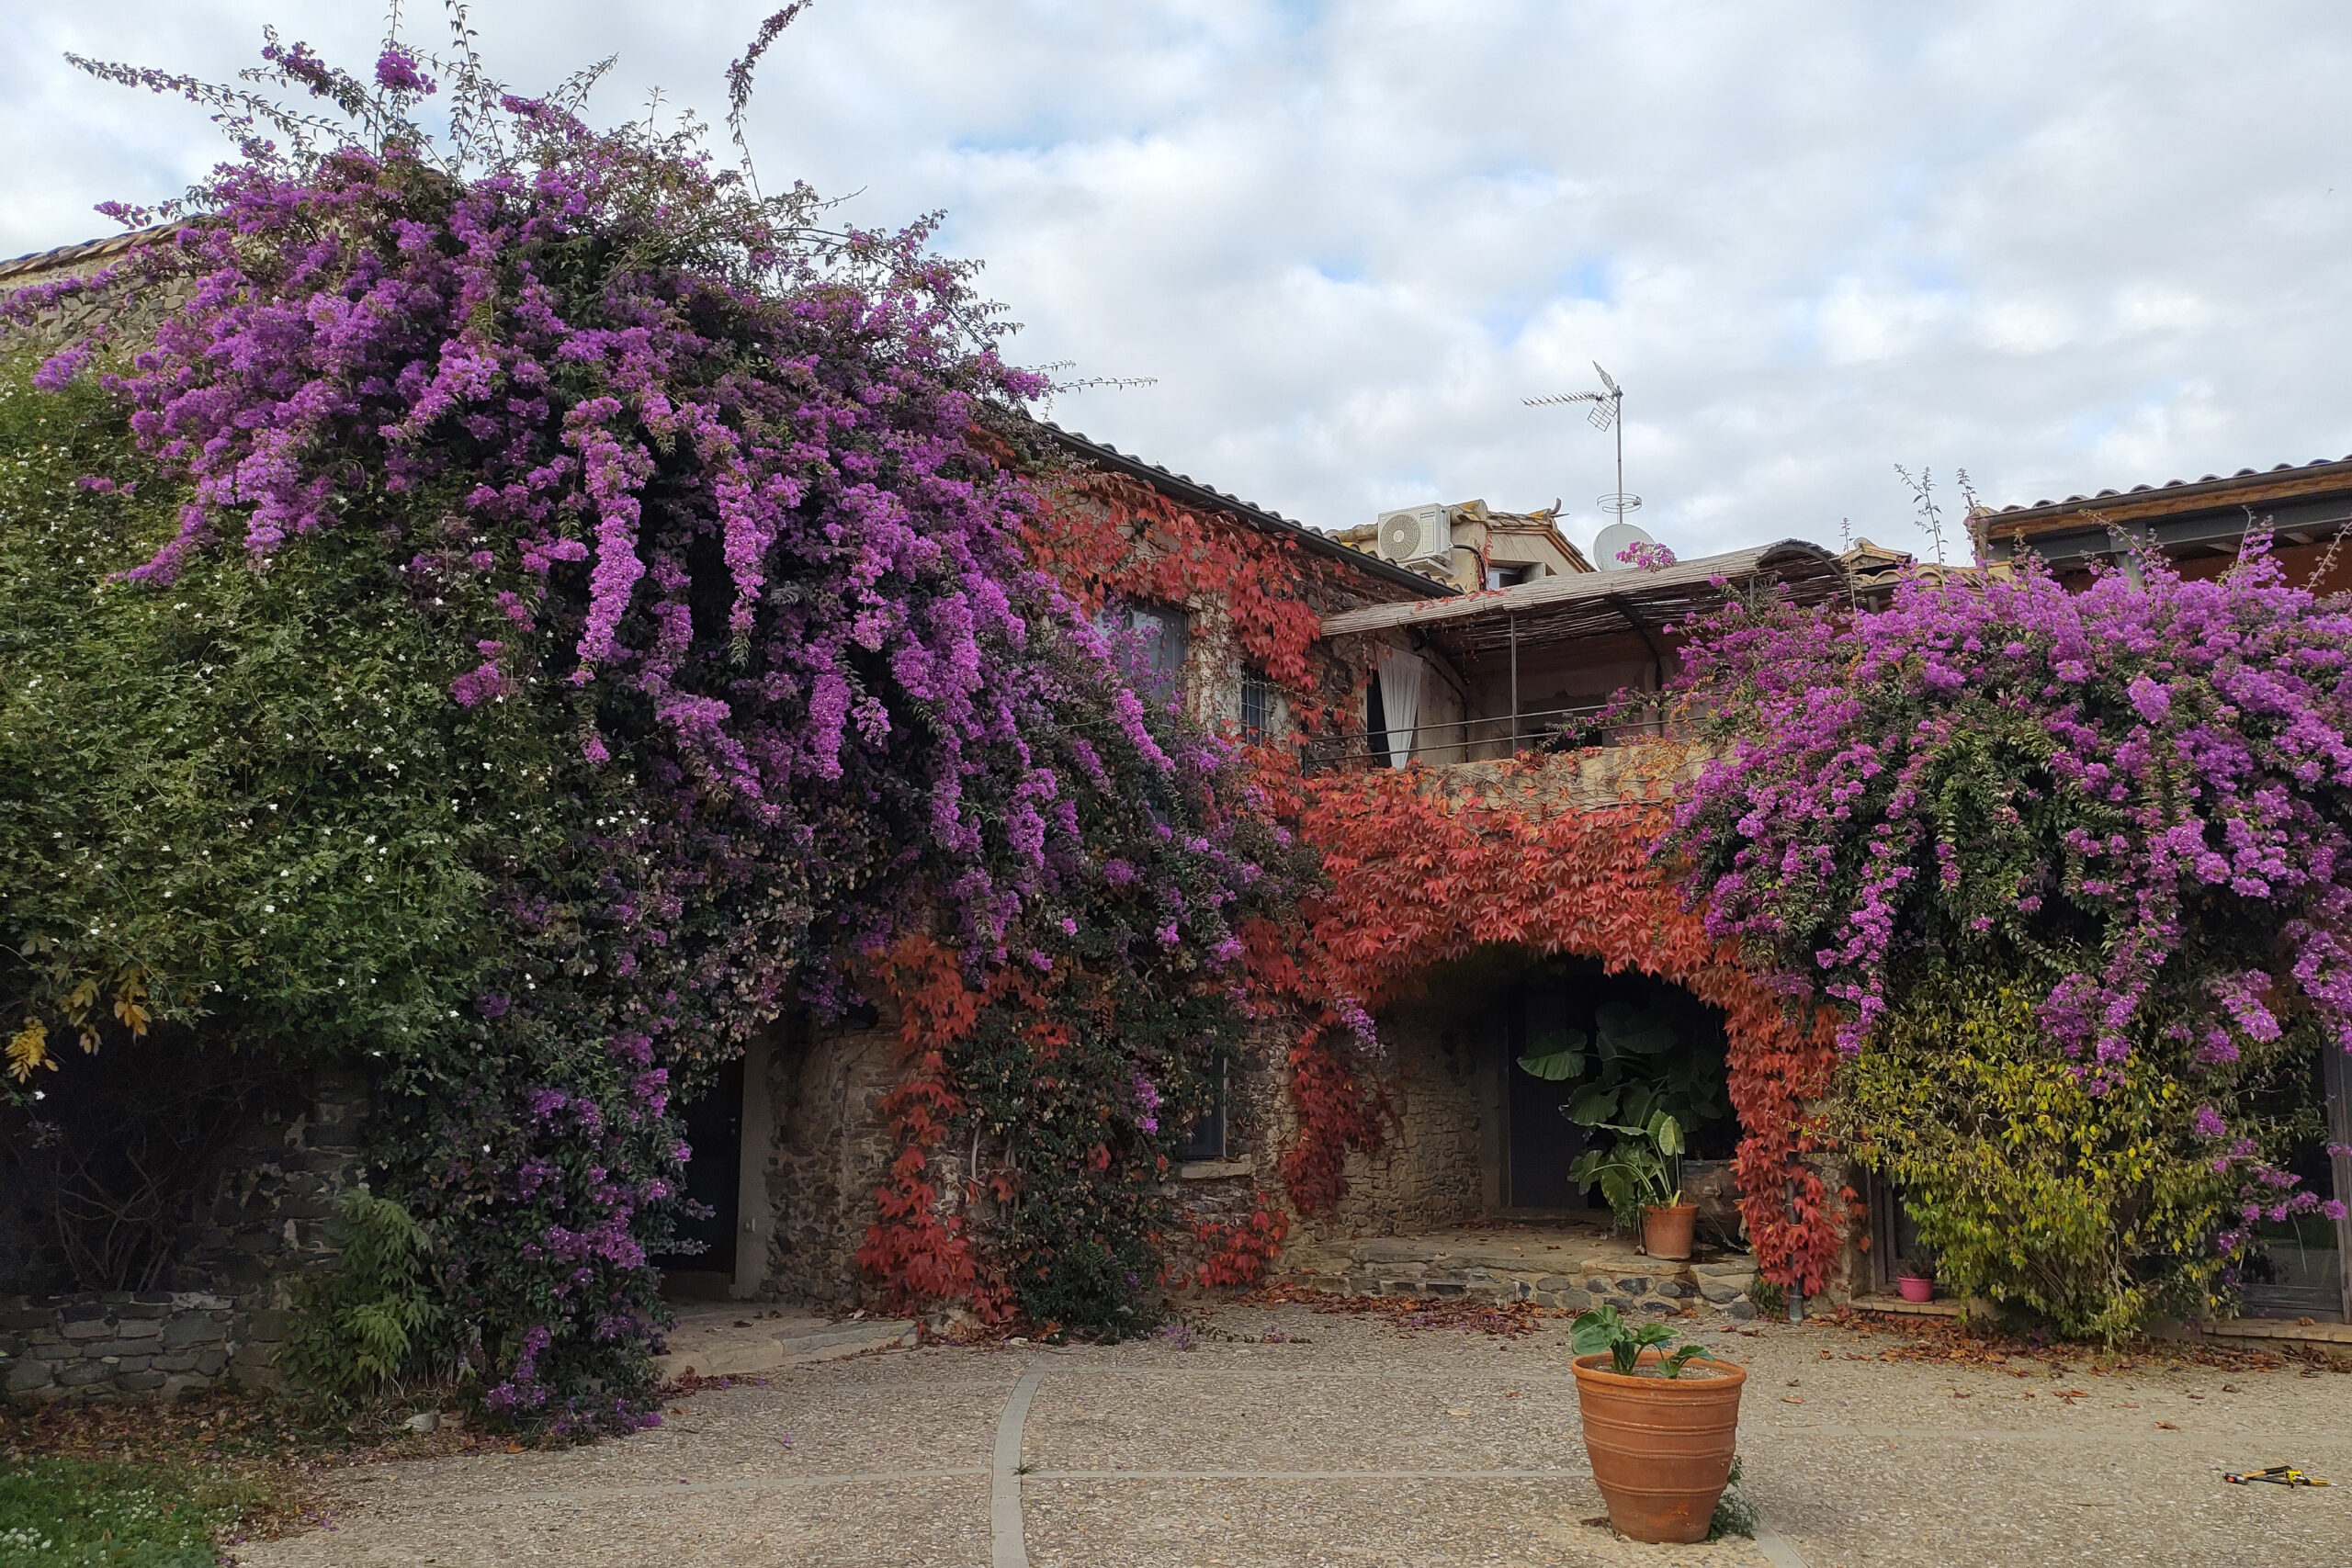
(126, 317)
(1257, 1121)
(1433, 1168)
(830, 1149)
(90, 1346)
(266, 1213)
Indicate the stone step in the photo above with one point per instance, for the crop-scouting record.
(1410, 1267)
(724, 1343)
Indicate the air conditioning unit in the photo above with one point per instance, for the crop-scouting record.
(1416, 534)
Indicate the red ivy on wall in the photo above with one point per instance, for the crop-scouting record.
(1108, 536)
(1424, 868)
(1241, 1250)
(920, 1249)
(1421, 869)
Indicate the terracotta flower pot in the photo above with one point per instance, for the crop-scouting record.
(1915, 1288)
(1665, 1231)
(1661, 1448)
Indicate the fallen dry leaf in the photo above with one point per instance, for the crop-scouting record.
(1506, 1319)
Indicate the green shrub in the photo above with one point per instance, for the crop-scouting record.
(358, 1324)
(2089, 1205)
(1735, 1512)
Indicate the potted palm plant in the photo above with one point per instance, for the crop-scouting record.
(1661, 1425)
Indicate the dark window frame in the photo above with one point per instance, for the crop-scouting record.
(1204, 1140)
(1260, 727)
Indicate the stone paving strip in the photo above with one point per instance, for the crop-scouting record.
(1285, 1438)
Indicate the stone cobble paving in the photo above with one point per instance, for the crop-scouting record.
(1283, 1436)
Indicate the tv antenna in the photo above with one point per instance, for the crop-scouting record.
(1607, 413)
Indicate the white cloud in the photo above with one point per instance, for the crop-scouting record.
(2062, 244)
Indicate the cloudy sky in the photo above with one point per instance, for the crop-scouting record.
(2062, 245)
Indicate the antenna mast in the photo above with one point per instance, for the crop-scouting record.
(1607, 413)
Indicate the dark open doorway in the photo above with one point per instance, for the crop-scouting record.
(1543, 1142)
(705, 1265)
(1564, 1001)
(2302, 1267)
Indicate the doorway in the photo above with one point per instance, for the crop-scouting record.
(1626, 1030)
(703, 1262)
(2301, 1266)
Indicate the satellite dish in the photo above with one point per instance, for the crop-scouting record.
(1615, 539)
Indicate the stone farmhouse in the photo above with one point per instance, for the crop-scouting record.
(1489, 637)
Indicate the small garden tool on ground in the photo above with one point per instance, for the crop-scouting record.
(2277, 1475)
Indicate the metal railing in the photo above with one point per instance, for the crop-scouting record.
(1481, 739)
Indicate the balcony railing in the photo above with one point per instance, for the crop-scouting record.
(1481, 739)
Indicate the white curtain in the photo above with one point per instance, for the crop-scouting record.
(1400, 700)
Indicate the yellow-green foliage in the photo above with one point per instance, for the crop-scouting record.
(2091, 1210)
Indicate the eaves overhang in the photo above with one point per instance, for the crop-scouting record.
(1188, 491)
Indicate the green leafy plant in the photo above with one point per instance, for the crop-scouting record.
(1643, 1169)
(1605, 1328)
(71, 1513)
(358, 1324)
(1639, 1064)
(2085, 1204)
(1645, 1089)
(1734, 1511)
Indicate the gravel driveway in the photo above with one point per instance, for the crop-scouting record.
(1285, 1436)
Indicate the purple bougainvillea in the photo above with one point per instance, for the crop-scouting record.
(2146, 779)
(2135, 795)
(732, 503)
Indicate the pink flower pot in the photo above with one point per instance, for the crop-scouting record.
(1916, 1289)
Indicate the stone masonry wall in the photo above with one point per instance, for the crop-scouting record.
(1224, 1193)
(830, 1150)
(1430, 1172)
(155, 1342)
(266, 1214)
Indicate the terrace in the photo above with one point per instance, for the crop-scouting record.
(1485, 676)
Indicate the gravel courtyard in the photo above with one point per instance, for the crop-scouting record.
(1284, 1436)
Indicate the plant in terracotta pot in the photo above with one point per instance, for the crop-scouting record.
(1642, 1082)
(1640, 1176)
(1661, 1425)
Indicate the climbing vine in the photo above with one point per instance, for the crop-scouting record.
(1042, 1102)
(2125, 805)
(1107, 536)
(1421, 869)
(702, 525)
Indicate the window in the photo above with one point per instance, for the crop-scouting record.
(1509, 576)
(1257, 709)
(1204, 1139)
(1161, 634)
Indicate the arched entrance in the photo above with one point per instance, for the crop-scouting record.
(1428, 869)
(1478, 1135)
